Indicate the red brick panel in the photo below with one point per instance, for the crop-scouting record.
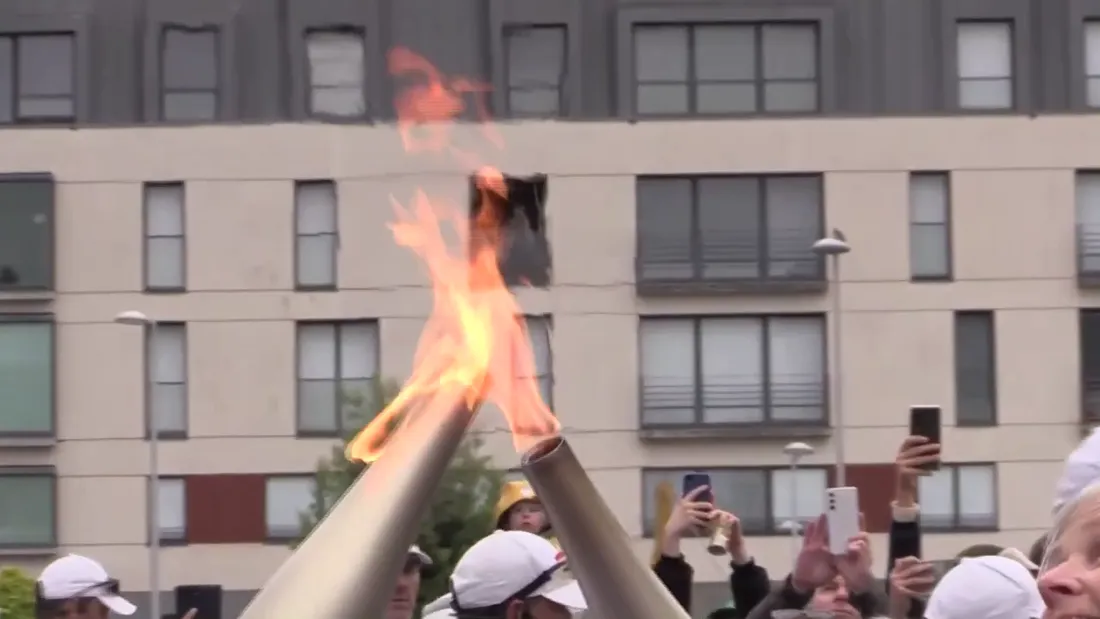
(225, 509)
(876, 489)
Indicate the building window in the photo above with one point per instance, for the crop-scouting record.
(763, 499)
(28, 508)
(1088, 222)
(959, 497)
(729, 228)
(189, 74)
(1092, 63)
(733, 370)
(37, 78)
(287, 499)
(985, 65)
(337, 370)
(524, 252)
(975, 369)
(337, 73)
(26, 232)
(929, 226)
(26, 377)
(536, 66)
(538, 332)
(165, 257)
(316, 234)
(168, 374)
(1090, 364)
(172, 509)
(726, 68)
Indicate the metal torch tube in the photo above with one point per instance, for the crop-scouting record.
(616, 583)
(348, 566)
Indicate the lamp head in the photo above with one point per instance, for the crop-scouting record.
(797, 450)
(132, 317)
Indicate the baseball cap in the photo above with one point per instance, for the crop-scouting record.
(76, 576)
(508, 565)
(1082, 469)
(415, 551)
(990, 587)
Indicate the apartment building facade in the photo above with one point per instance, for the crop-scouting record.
(226, 168)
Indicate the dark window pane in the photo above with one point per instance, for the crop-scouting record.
(729, 227)
(46, 66)
(27, 511)
(26, 235)
(190, 106)
(725, 53)
(662, 99)
(790, 51)
(790, 96)
(975, 368)
(664, 227)
(744, 493)
(794, 223)
(7, 79)
(661, 53)
(739, 98)
(337, 73)
(190, 60)
(536, 57)
(26, 378)
(532, 102)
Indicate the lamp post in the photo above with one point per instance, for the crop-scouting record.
(831, 248)
(138, 319)
(795, 452)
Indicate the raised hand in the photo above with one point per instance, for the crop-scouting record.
(814, 565)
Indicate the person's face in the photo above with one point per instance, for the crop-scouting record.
(1070, 584)
(834, 599)
(403, 602)
(527, 516)
(537, 608)
(81, 609)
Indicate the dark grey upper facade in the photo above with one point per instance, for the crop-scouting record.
(123, 62)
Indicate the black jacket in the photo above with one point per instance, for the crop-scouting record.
(905, 542)
(871, 603)
(676, 575)
(749, 584)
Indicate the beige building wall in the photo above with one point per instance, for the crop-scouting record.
(1013, 218)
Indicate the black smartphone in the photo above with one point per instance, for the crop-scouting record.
(695, 480)
(925, 421)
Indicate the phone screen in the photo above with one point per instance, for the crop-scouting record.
(925, 421)
(695, 480)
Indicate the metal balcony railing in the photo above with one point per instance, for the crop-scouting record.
(1088, 250)
(729, 256)
(728, 400)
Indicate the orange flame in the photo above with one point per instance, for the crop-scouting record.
(475, 340)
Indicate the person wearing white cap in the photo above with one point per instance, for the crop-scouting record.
(402, 603)
(76, 587)
(509, 575)
(989, 587)
(1069, 577)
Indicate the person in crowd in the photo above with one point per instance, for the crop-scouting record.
(915, 454)
(842, 586)
(513, 575)
(76, 587)
(1081, 471)
(986, 587)
(749, 582)
(995, 550)
(402, 603)
(1069, 580)
(520, 510)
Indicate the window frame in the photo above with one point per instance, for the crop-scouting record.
(697, 404)
(948, 212)
(339, 325)
(1013, 64)
(369, 110)
(815, 281)
(46, 178)
(1018, 12)
(272, 538)
(992, 383)
(1089, 375)
(150, 380)
(508, 14)
(298, 235)
(1078, 14)
(956, 526)
(1093, 21)
(16, 36)
(628, 17)
(51, 434)
(163, 91)
(146, 237)
(49, 473)
(771, 529)
(563, 101)
(154, 484)
(547, 320)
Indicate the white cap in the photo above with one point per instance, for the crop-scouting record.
(1082, 470)
(74, 576)
(415, 551)
(988, 587)
(500, 566)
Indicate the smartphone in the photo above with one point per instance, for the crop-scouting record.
(695, 480)
(925, 421)
(842, 517)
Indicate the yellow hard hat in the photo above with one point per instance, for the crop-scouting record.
(511, 493)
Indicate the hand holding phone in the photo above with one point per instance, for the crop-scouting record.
(926, 421)
(693, 481)
(842, 517)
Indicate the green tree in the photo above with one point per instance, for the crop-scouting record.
(16, 594)
(461, 511)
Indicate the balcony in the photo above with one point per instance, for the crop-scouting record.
(792, 405)
(720, 262)
(1088, 255)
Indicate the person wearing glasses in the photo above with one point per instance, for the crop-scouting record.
(76, 587)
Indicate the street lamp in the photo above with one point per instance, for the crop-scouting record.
(795, 452)
(135, 318)
(831, 248)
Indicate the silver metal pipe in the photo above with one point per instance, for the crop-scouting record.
(153, 506)
(616, 583)
(348, 566)
(838, 373)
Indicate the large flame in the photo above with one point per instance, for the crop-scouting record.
(475, 339)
